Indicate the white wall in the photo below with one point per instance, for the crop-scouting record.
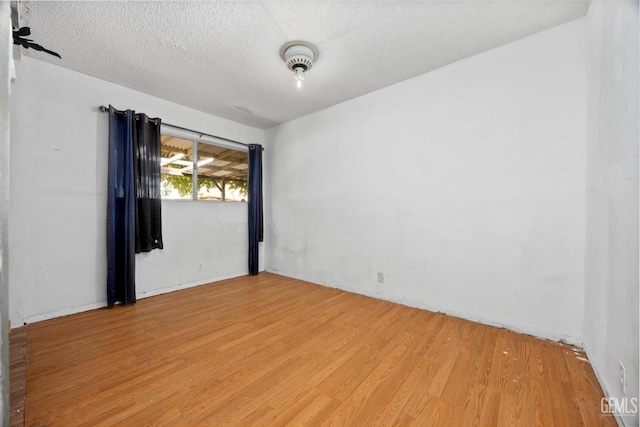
(611, 300)
(5, 56)
(58, 208)
(464, 186)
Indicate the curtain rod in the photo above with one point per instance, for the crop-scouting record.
(106, 109)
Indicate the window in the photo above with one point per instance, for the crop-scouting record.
(218, 173)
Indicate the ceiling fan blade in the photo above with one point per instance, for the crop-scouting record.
(28, 43)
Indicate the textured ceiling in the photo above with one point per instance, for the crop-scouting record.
(222, 57)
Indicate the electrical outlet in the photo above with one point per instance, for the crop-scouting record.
(380, 277)
(200, 265)
(622, 376)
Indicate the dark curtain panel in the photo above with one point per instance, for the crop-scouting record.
(121, 210)
(255, 205)
(133, 199)
(146, 146)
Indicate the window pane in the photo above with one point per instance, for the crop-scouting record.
(222, 173)
(176, 168)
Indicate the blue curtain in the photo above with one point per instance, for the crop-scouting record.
(133, 199)
(255, 205)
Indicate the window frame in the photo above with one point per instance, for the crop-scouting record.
(196, 139)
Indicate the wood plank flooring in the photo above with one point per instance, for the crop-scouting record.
(17, 375)
(269, 350)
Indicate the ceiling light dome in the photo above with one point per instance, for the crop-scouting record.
(299, 57)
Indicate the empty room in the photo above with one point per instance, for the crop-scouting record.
(277, 212)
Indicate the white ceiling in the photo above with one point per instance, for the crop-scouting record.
(222, 57)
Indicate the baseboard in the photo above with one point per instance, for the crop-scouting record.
(64, 312)
(142, 295)
(155, 292)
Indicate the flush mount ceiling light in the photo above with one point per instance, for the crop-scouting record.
(299, 57)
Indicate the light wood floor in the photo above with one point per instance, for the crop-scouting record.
(270, 350)
(17, 375)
